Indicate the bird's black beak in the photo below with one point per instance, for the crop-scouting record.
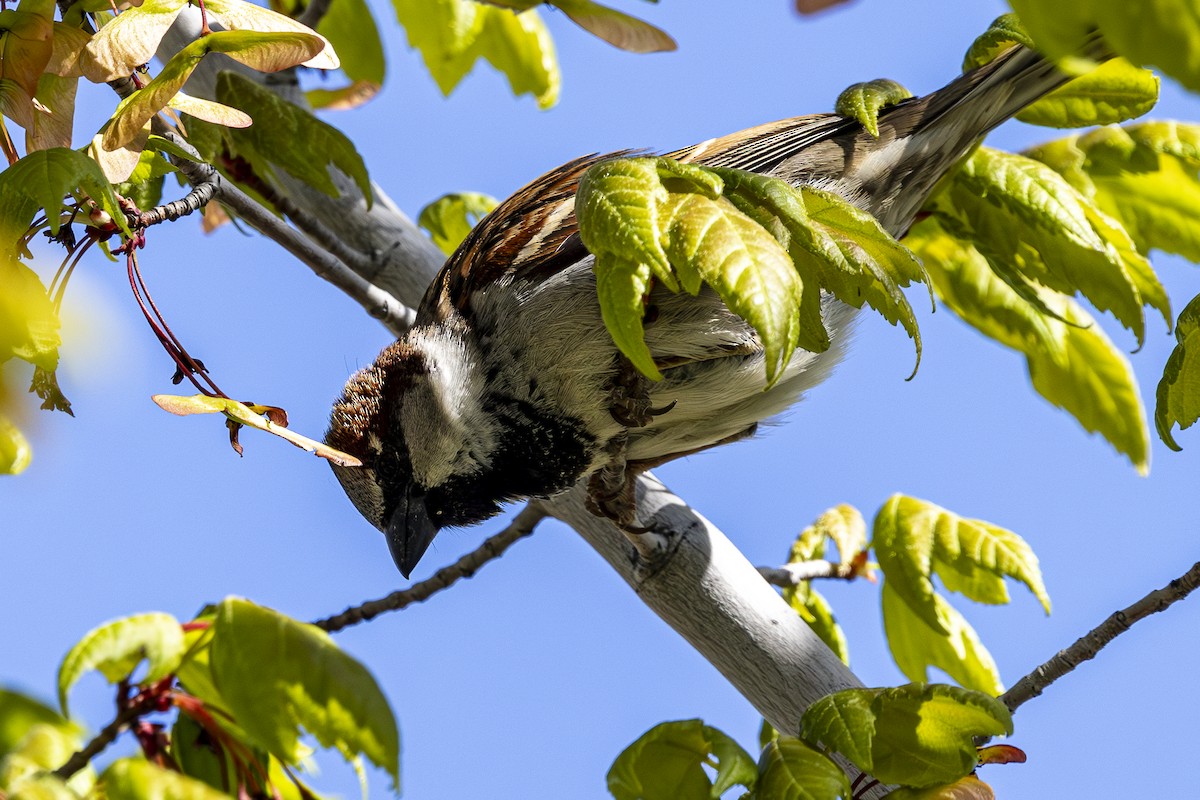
(410, 530)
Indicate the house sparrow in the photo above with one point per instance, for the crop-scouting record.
(509, 386)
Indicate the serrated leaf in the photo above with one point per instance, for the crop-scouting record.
(139, 779)
(864, 101)
(925, 734)
(41, 180)
(444, 32)
(665, 763)
(958, 651)
(1157, 206)
(1019, 211)
(451, 217)
(116, 648)
(843, 722)
(267, 52)
(280, 676)
(1074, 365)
(15, 452)
(1113, 92)
(789, 769)
(618, 207)
(747, 267)
(620, 287)
(617, 28)
(519, 45)
(1178, 394)
(310, 146)
(968, 788)
(1096, 384)
(913, 537)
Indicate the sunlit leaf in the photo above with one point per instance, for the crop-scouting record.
(1179, 389)
(116, 648)
(451, 217)
(864, 101)
(280, 677)
(1113, 92)
(19, 713)
(41, 180)
(53, 122)
(665, 763)
(790, 769)
(29, 326)
(1004, 32)
(239, 15)
(914, 538)
(815, 610)
(843, 722)
(925, 735)
(968, 788)
(129, 40)
(25, 49)
(67, 54)
(139, 779)
(519, 45)
(207, 110)
(958, 651)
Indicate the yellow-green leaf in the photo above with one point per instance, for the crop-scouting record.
(451, 217)
(129, 40)
(1004, 32)
(618, 205)
(116, 648)
(666, 763)
(25, 49)
(29, 326)
(1113, 92)
(844, 722)
(914, 538)
(864, 101)
(239, 15)
(15, 453)
(281, 677)
(1179, 389)
(957, 650)
(790, 769)
(815, 610)
(621, 286)
(139, 779)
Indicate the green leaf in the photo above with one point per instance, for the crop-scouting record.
(42, 786)
(621, 287)
(280, 676)
(1096, 384)
(617, 28)
(41, 180)
(1057, 29)
(1165, 34)
(451, 217)
(1073, 364)
(43, 746)
(618, 207)
(957, 652)
(116, 648)
(845, 723)
(747, 267)
(864, 101)
(925, 735)
(350, 28)
(139, 779)
(789, 769)
(913, 538)
(292, 139)
(1113, 92)
(1004, 32)
(267, 52)
(814, 609)
(665, 763)
(20, 713)
(452, 34)
(844, 524)
(1178, 395)
(1018, 211)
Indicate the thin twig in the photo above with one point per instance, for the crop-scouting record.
(200, 195)
(794, 574)
(378, 303)
(104, 738)
(314, 13)
(494, 547)
(1090, 644)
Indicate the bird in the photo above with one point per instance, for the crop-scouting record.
(508, 386)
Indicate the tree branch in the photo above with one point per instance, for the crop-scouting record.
(492, 548)
(790, 575)
(378, 303)
(1087, 646)
(104, 738)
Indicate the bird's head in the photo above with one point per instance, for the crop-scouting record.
(415, 420)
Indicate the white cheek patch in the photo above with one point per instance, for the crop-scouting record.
(445, 427)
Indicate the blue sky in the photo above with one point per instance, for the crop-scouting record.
(527, 680)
